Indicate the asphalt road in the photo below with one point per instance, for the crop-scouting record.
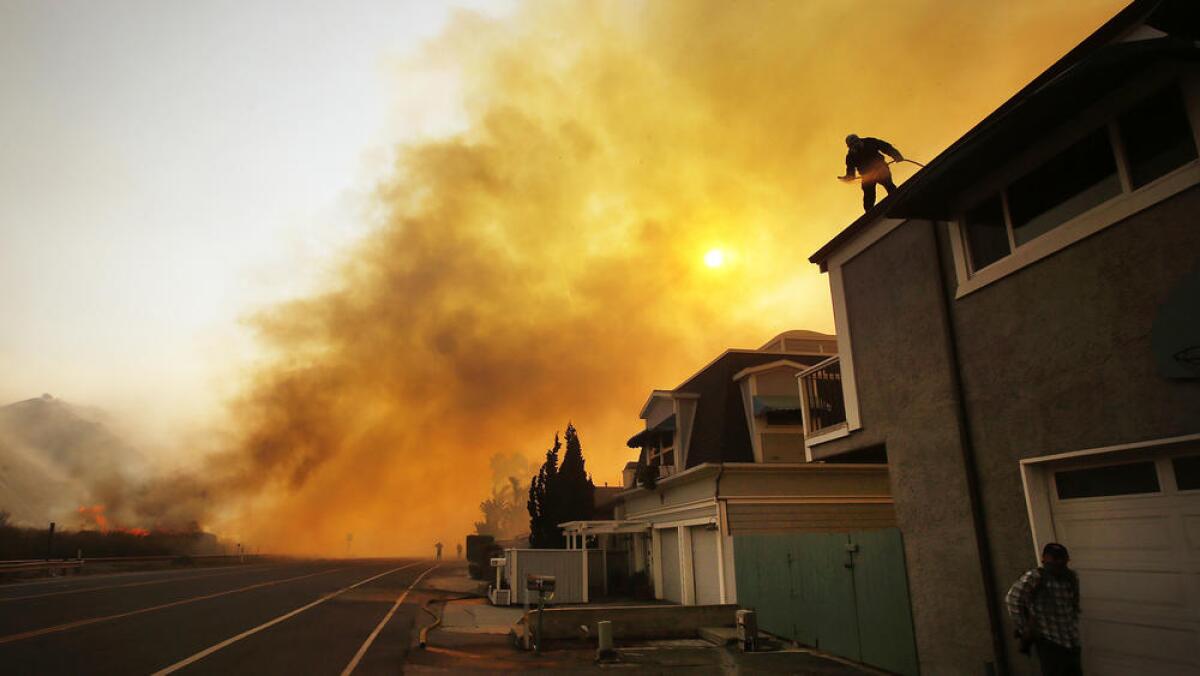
(303, 617)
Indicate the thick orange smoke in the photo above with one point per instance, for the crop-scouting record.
(545, 265)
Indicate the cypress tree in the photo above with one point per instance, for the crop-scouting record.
(543, 529)
(575, 492)
(559, 493)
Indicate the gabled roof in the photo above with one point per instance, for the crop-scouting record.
(719, 431)
(654, 394)
(1057, 91)
(771, 365)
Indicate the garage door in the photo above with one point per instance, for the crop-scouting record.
(672, 590)
(1132, 525)
(704, 565)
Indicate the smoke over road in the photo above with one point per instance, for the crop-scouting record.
(545, 264)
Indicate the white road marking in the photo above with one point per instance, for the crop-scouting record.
(268, 624)
(379, 627)
(93, 620)
(144, 583)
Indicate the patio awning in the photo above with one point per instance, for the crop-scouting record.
(764, 404)
(603, 527)
(648, 436)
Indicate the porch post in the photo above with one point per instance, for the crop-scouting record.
(721, 559)
(687, 581)
(604, 560)
(583, 548)
(656, 561)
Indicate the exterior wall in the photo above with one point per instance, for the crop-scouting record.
(747, 517)
(897, 327)
(683, 429)
(674, 494)
(782, 446)
(777, 382)
(1054, 358)
(1073, 335)
(739, 480)
(660, 410)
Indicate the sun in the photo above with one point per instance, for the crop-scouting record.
(714, 258)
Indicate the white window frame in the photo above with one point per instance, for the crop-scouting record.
(1096, 219)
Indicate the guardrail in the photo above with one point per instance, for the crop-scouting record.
(63, 564)
(822, 399)
(9, 566)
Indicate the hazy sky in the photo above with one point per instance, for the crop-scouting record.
(486, 224)
(167, 167)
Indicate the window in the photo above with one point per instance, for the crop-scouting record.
(1187, 472)
(1156, 136)
(790, 417)
(662, 454)
(1094, 482)
(987, 235)
(1077, 179)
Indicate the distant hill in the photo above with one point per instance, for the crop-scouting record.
(56, 457)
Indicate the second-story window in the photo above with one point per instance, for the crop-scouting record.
(1155, 137)
(1068, 184)
(987, 233)
(662, 454)
(667, 451)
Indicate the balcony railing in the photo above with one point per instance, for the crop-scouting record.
(821, 397)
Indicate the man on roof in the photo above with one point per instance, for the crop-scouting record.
(864, 156)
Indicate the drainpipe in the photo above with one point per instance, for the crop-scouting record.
(982, 542)
(717, 499)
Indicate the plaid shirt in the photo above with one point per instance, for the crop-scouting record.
(1052, 603)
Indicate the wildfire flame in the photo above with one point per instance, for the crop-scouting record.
(95, 516)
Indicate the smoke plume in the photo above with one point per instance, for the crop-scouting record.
(545, 264)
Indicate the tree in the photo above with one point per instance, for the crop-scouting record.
(503, 514)
(559, 493)
(542, 527)
(575, 490)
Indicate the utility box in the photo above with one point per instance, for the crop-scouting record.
(747, 630)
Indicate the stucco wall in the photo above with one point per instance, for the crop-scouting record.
(1057, 358)
(1054, 358)
(906, 400)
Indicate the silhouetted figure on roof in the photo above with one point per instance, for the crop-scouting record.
(864, 156)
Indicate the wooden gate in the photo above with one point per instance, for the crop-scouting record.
(844, 593)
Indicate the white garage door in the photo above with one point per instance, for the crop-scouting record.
(1132, 525)
(672, 589)
(704, 565)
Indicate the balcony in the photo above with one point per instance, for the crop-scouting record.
(821, 398)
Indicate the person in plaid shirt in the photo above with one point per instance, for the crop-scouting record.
(1044, 604)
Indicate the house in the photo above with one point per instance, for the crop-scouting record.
(723, 455)
(1017, 336)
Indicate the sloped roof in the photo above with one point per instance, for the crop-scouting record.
(719, 431)
(1051, 93)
